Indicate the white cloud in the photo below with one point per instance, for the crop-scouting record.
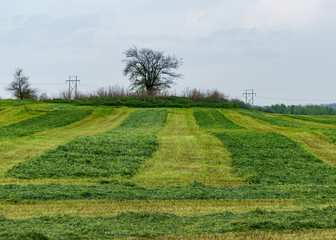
(283, 14)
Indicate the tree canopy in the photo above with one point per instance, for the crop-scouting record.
(20, 86)
(150, 71)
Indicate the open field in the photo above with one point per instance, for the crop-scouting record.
(165, 173)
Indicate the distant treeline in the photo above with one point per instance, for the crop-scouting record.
(297, 109)
(331, 105)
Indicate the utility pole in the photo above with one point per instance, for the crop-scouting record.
(73, 87)
(249, 96)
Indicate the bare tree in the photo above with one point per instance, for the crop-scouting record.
(21, 87)
(150, 71)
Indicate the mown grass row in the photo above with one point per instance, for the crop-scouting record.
(49, 120)
(271, 158)
(330, 133)
(317, 119)
(111, 190)
(184, 156)
(212, 119)
(273, 120)
(145, 224)
(91, 208)
(13, 115)
(118, 152)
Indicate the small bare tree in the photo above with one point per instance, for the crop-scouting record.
(20, 87)
(150, 71)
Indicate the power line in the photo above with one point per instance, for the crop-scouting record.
(73, 87)
(249, 96)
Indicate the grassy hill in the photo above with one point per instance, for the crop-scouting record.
(84, 172)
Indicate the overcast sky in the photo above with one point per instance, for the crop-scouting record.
(283, 49)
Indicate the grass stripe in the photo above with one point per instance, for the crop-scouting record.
(186, 154)
(271, 158)
(145, 224)
(118, 152)
(316, 144)
(272, 119)
(248, 122)
(14, 115)
(91, 208)
(53, 119)
(212, 119)
(16, 150)
(196, 191)
(330, 133)
(317, 119)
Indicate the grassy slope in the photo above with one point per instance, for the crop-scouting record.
(177, 140)
(16, 150)
(13, 115)
(118, 152)
(186, 154)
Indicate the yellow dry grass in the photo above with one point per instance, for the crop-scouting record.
(316, 144)
(186, 154)
(90, 208)
(248, 122)
(13, 115)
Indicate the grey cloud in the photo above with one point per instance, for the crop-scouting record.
(45, 31)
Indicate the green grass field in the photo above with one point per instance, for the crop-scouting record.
(100, 172)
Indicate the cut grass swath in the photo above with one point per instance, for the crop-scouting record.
(145, 224)
(118, 152)
(112, 190)
(317, 119)
(273, 120)
(186, 154)
(271, 158)
(49, 120)
(212, 119)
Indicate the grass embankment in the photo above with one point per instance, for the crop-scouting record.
(186, 154)
(118, 152)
